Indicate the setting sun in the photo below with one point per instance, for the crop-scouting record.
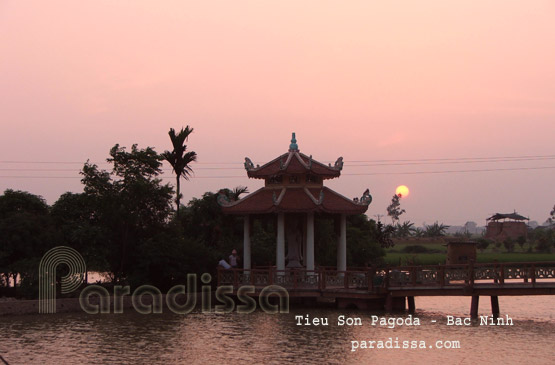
(402, 191)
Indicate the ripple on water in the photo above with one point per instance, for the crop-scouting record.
(131, 338)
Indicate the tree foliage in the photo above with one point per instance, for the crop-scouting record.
(482, 244)
(129, 205)
(26, 233)
(406, 229)
(435, 230)
(394, 209)
(180, 159)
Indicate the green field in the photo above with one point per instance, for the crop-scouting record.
(437, 250)
(439, 258)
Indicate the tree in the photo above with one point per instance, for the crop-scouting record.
(383, 234)
(180, 159)
(509, 244)
(405, 229)
(204, 220)
(26, 234)
(482, 244)
(521, 240)
(435, 230)
(130, 205)
(237, 192)
(76, 221)
(394, 209)
(551, 218)
(544, 239)
(418, 232)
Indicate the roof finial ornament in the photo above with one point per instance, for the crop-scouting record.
(293, 146)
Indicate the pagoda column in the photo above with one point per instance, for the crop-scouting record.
(246, 243)
(280, 247)
(309, 253)
(342, 244)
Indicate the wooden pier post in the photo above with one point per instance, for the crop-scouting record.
(495, 305)
(474, 306)
(412, 306)
(389, 303)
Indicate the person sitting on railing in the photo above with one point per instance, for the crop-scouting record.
(223, 263)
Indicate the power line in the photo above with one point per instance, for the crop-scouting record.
(452, 162)
(378, 164)
(347, 174)
(453, 171)
(460, 158)
(468, 159)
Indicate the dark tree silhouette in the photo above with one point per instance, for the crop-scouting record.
(180, 159)
(394, 209)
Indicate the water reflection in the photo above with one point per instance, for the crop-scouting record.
(132, 338)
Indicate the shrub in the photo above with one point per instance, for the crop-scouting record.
(415, 249)
(509, 244)
(482, 244)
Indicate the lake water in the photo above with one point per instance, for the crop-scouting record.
(209, 338)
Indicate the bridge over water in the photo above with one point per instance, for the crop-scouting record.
(390, 288)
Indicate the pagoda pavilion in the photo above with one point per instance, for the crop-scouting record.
(294, 192)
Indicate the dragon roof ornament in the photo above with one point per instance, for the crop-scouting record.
(338, 165)
(365, 199)
(248, 164)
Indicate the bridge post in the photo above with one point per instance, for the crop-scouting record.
(474, 306)
(371, 276)
(495, 305)
(471, 274)
(389, 303)
(441, 274)
(412, 306)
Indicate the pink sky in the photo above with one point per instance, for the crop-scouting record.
(359, 79)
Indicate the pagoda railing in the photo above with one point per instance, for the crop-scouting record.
(379, 278)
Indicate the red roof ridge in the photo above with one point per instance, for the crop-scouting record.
(280, 197)
(335, 167)
(249, 166)
(344, 197)
(304, 164)
(284, 163)
(317, 202)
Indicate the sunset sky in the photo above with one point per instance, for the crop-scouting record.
(392, 86)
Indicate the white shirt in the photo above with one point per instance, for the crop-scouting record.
(224, 264)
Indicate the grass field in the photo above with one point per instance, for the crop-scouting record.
(395, 258)
(437, 250)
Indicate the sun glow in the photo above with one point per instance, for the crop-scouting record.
(402, 191)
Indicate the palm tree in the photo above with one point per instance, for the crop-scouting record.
(237, 191)
(180, 159)
(435, 230)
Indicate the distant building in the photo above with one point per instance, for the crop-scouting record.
(503, 226)
(461, 252)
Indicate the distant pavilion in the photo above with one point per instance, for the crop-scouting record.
(294, 191)
(508, 225)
